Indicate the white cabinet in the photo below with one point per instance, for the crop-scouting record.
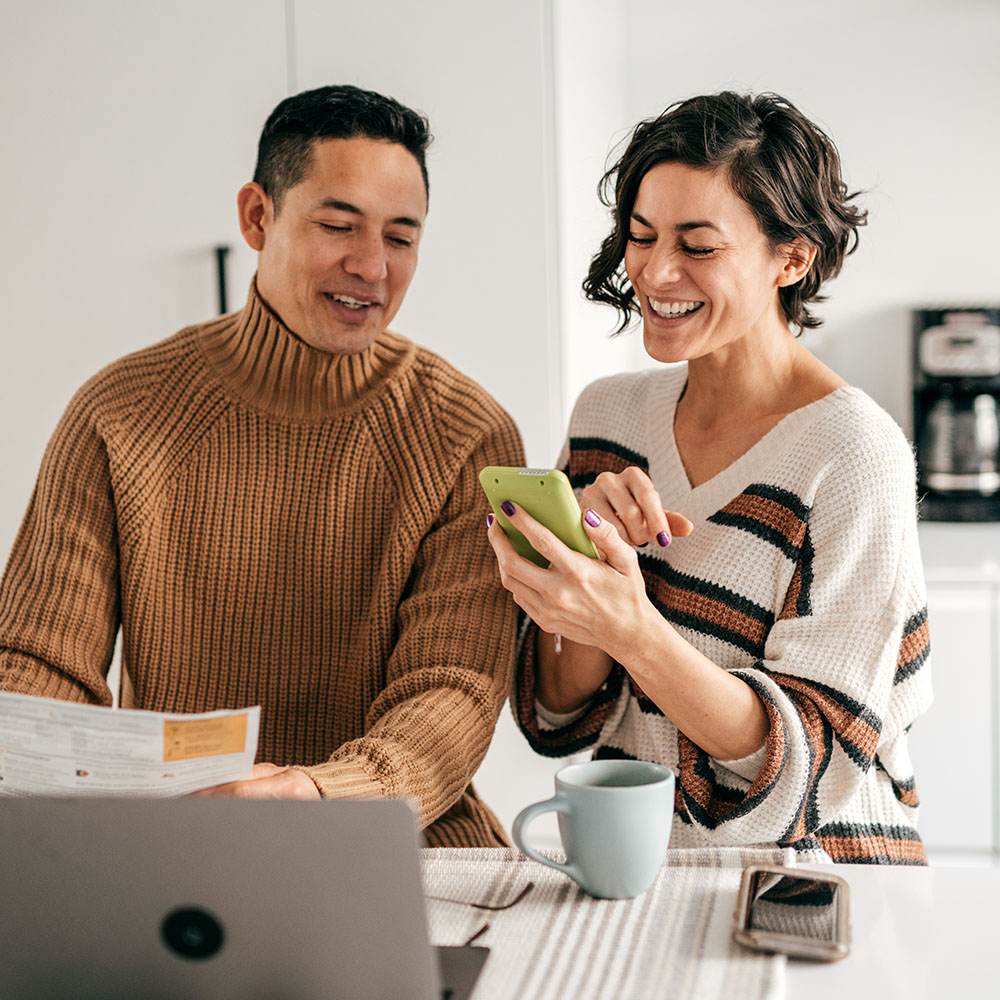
(956, 745)
(953, 745)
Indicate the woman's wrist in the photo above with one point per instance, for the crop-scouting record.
(642, 646)
(566, 680)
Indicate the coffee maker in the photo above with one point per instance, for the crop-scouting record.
(956, 412)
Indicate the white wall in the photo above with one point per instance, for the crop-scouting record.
(484, 295)
(590, 52)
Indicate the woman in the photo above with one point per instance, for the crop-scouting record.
(769, 642)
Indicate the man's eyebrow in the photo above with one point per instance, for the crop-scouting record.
(681, 227)
(346, 206)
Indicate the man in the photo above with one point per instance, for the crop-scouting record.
(281, 506)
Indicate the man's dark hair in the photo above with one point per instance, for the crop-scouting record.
(284, 153)
(783, 166)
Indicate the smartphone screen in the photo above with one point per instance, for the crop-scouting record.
(799, 913)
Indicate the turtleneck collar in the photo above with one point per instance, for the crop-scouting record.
(260, 360)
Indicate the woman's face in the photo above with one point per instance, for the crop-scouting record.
(703, 273)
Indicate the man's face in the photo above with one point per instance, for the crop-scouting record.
(337, 259)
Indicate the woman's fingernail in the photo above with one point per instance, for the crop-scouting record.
(592, 519)
(663, 538)
(489, 520)
(507, 507)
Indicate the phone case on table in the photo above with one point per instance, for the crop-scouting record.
(547, 496)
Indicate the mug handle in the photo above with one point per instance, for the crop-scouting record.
(557, 804)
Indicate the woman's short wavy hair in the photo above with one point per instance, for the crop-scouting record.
(780, 163)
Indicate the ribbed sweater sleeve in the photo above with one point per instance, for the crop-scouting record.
(59, 601)
(448, 673)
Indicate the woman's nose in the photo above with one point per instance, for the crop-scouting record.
(662, 267)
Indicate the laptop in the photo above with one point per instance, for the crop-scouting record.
(185, 899)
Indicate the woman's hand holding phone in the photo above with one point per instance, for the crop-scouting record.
(596, 602)
(599, 606)
(592, 602)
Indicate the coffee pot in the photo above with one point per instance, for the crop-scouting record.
(956, 412)
(961, 445)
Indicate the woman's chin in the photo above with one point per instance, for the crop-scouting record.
(664, 351)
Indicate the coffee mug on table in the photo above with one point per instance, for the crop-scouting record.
(614, 820)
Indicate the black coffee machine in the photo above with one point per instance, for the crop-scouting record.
(956, 412)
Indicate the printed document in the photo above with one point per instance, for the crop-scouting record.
(50, 747)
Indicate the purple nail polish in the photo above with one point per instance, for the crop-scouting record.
(507, 507)
(592, 519)
(489, 520)
(663, 538)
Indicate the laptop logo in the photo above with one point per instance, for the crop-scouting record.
(192, 933)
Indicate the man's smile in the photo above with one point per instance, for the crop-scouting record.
(350, 301)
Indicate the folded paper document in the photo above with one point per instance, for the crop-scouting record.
(50, 747)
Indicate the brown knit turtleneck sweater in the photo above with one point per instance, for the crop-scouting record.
(274, 525)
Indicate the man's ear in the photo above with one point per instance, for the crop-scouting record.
(798, 258)
(255, 213)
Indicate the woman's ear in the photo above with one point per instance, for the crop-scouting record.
(798, 258)
(254, 208)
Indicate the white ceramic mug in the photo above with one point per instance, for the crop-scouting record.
(614, 820)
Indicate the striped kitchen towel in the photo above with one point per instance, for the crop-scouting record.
(675, 940)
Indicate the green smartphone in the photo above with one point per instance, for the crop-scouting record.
(547, 496)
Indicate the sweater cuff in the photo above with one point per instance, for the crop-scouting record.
(747, 767)
(549, 720)
(343, 779)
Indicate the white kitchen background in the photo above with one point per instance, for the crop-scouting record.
(128, 127)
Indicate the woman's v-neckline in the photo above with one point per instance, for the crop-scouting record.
(666, 466)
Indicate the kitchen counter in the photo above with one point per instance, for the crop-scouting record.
(960, 552)
(916, 933)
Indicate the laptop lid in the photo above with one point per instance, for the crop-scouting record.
(213, 898)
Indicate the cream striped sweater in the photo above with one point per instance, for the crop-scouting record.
(803, 577)
(273, 525)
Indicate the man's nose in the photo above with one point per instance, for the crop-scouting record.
(367, 260)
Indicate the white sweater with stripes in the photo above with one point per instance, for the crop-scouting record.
(803, 577)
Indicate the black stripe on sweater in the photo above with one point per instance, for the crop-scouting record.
(770, 513)
(704, 607)
(914, 647)
(590, 456)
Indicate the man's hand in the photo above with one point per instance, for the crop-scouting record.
(266, 781)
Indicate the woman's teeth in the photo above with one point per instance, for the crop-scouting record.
(673, 308)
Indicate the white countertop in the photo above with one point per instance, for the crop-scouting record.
(960, 553)
(915, 933)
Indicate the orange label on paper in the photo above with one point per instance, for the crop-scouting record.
(185, 739)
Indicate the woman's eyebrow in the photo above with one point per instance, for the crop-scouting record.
(681, 227)
(686, 227)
